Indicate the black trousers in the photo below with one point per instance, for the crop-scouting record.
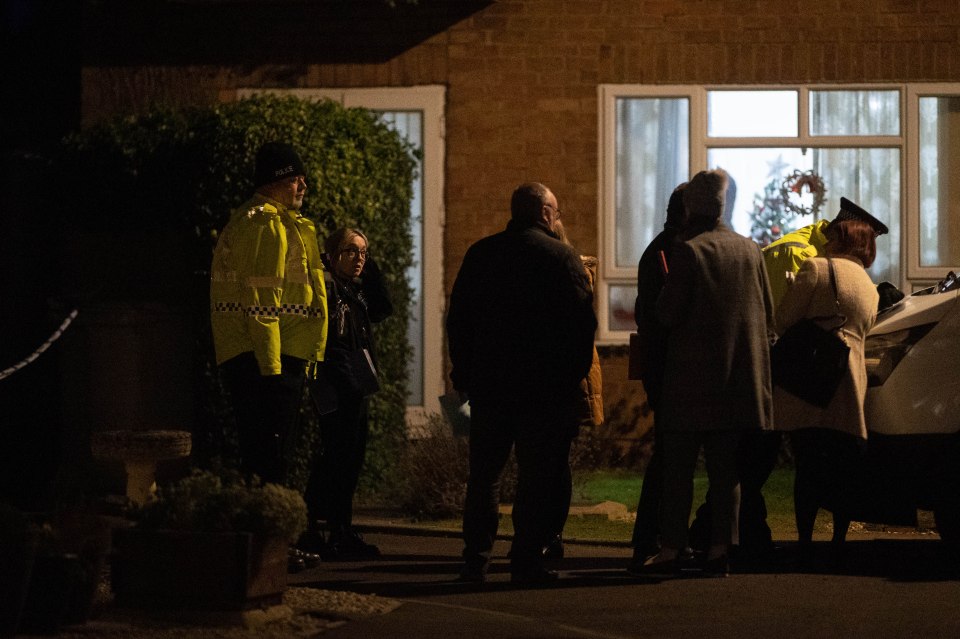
(336, 471)
(646, 529)
(561, 498)
(266, 409)
(828, 464)
(680, 452)
(541, 434)
(756, 458)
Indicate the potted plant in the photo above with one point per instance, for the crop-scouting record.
(211, 541)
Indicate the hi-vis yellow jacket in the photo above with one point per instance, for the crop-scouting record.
(267, 293)
(785, 256)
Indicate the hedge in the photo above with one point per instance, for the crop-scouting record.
(179, 173)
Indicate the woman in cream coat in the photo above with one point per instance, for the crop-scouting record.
(828, 442)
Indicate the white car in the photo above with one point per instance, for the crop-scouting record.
(913, 411)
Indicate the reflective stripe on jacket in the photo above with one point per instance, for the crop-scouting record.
(267, 293)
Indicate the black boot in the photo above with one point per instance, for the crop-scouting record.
(346, 543)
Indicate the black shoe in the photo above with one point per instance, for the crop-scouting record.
(717, 567)
(295, 564)
(349, 544)
(311, 541)
(473, 573)
(554, 550)
(653, 567)
(644, 550)
(310, 559)
(551, 552)
(532, 575)
(758, 558)
(806, 561)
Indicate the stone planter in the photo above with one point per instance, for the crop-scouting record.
(197, 570)
(140, 451)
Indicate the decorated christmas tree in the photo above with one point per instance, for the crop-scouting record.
(777, 211)
(770, 219)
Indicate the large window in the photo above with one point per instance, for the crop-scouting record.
(891, 149)
(939, 168)
(417, 114)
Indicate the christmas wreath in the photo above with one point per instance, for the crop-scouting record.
(791, 192)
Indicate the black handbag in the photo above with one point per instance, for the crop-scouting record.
(809, 361)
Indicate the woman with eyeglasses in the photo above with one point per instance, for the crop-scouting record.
(357, 298)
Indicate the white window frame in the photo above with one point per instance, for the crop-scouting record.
(430, 100)
(915, 272)
(911, 273)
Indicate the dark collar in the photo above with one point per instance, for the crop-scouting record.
(517, 226)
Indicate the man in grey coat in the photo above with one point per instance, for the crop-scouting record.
(717, 306)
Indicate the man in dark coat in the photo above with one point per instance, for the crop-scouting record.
(652, 335)
(520, 328)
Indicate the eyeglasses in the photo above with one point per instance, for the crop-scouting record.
(352, 253)
(559, 212)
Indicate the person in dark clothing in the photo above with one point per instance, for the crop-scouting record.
(651, 276)
(520, 328)
(356, 298)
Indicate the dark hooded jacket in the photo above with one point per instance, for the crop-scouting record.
(651, 276)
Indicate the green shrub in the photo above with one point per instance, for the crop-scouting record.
(431, 474)
(224, 502)
(429, 480)
(430, 477)
(179, 173)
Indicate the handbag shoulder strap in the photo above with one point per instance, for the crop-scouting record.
(836, 291)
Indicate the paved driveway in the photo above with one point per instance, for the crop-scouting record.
(887, 588)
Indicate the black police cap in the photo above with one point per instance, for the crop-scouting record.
(851, 211)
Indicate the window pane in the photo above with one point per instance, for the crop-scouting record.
(854, 113)
(748, 114)
(869, 177)
(409, 124)
(622, 300)
(939, 205)
(754, 206)
(652, 157)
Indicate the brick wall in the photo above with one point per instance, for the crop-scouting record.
(522, 80)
